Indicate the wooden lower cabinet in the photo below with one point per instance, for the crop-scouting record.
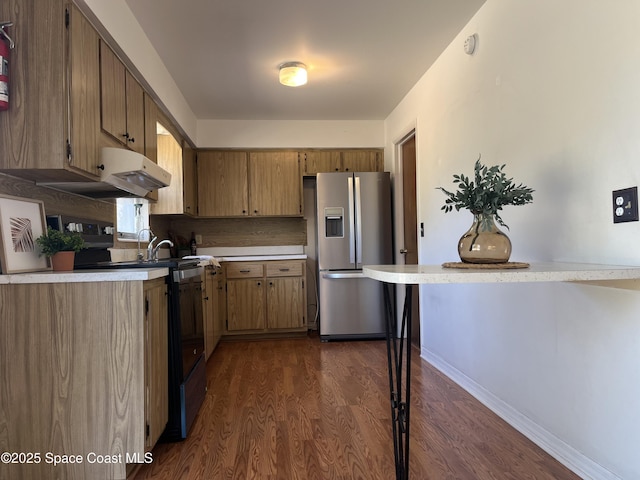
(77, 361)
(285, 302)
(156, 373)
(212, 308)
(265, 297)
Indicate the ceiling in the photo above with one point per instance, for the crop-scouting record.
(363, 56)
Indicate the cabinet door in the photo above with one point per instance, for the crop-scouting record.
(170, 199)
(245, 304)
(275, 184)
(221, 314)
(113, 100)
(190, 188)
(134, 114)
(360, 161)
(151, 136)
(285, 302)
(209, 307)
(222, 184)
(156, 360)
(322, 161)
(84, 91)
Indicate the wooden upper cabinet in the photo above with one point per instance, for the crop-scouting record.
(113, 95)
(361, 161)
(51, 129)
(322, 161)
(151, 136)
(135, 114)
(121, 101)
(171, 198)
(354, 160)
(84, 92)
(222, 184)
(275, 184)
(190, 185)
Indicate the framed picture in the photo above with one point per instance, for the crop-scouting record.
(22, 220)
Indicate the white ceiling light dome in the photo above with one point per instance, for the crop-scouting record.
(293, 74)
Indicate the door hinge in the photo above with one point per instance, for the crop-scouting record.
(148, 430)
(69, 155)
(146, 305)
(66, 18)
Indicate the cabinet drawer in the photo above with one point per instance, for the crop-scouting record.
(284, 269)
(244, 270)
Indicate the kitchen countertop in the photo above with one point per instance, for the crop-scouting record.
(261, 258)
(537, 272)
(77, 276)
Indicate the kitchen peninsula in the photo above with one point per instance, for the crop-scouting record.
(409, 275)
(83, 372)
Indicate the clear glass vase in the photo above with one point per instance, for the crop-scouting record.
(484, 242)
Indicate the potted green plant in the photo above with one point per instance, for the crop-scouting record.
(61, 247)
(484, 195)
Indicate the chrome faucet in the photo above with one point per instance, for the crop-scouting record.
(140, 257)
(154, 252)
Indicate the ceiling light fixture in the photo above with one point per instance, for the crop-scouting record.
(293, 74)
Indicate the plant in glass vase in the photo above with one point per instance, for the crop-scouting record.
(484, 195)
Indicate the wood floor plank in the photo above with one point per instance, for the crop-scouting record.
(300, 409)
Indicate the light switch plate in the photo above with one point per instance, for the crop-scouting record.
(625, 205)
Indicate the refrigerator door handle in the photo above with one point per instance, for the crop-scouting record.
(342, 275)
(358, 224)
(352, 243)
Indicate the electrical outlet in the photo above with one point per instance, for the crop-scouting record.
(198, 239)
(625, 205)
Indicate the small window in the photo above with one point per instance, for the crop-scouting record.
(131, 217)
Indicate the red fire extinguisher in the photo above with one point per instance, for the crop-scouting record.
(6, 44)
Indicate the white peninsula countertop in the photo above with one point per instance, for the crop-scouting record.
(85, 276)
(536, 272)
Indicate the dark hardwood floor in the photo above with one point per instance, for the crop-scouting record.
(301, 409)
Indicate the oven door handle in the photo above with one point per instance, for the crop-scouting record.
(180, 275)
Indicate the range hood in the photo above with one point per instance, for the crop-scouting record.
(125, 173)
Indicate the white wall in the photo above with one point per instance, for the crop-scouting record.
(290, 134)
(553, 92)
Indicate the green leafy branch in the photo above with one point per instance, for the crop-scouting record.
(55, 241)
(487, 192)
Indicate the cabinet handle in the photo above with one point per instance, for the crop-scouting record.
(255, 211)
(284, 269)
(126, 135)
(271, 284)
(245, 271)
(259, 283)
(132, 140)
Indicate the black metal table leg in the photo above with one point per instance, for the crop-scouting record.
(399, 352)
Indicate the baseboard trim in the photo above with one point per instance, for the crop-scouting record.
(558, 449)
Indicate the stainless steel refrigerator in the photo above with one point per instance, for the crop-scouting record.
(354, 229)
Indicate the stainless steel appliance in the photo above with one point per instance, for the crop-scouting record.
(354, 229)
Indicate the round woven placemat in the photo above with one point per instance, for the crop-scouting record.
(485, 266)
